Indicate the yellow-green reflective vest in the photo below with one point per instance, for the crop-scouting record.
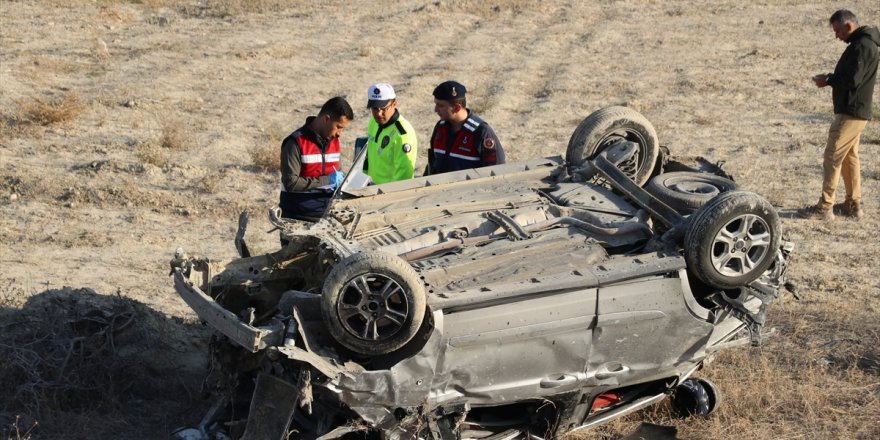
(391, 150)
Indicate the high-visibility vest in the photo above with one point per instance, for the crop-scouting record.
(317, 163)
(391, 151)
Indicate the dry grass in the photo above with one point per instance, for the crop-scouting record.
(219, 8)
(42, 65)
(17, 432)
(176, 133)
(152, 154)
(266, 157)
(492, 8)
(114, 13)
(210, 182)
(51, 111)
(266, 154)
(76, 361)
(11, 126)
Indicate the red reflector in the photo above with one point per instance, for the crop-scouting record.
(605, 400)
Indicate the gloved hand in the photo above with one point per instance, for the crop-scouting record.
(336, 178)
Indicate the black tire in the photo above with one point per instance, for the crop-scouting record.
(609, 125)
(373, 303)
(686, 191)
(732, 240)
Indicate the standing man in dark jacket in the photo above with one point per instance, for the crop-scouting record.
(310, 159)
(852, 87)
(461, 140)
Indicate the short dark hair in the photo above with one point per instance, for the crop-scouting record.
(843, 16)
(462, 101)
(337, 107)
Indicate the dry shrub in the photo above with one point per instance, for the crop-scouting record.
(266, 155)
(75, 361)
(16, 430)
(176, 135)
(209, 183)
(367, 51)
(192, 104)
(152, 154)
(484, 106)
(52, 111)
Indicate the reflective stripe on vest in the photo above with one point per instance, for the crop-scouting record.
(317, 158)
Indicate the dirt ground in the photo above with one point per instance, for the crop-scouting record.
(129, 128)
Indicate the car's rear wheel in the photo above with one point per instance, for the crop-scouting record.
(606, 126)
(373, 303)
(732, 239)
(686, 191)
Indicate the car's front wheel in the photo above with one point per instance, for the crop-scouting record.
(732, 239)
(373, 303)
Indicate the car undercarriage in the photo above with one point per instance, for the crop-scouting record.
(521, 300)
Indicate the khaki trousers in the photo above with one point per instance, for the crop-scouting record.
(842, 157)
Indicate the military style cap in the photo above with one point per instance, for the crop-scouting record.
(379, 95)
(450, 90)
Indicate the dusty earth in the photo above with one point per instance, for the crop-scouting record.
(130, 128)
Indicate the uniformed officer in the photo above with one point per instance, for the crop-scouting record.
(310, 160)
(461, 139)
(391, 144)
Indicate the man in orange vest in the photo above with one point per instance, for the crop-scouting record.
(310, 161)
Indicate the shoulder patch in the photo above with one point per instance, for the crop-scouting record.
(407, 148)
(489, 143)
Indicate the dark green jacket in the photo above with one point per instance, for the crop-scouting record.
(852, 84)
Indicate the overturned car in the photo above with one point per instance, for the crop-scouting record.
(520, 300)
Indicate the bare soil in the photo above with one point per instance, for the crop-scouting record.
(128, 129)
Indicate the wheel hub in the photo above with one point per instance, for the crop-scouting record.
(696, 188)
(373, 307)
(740, 245)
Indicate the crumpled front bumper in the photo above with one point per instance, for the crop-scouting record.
(251, 338)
